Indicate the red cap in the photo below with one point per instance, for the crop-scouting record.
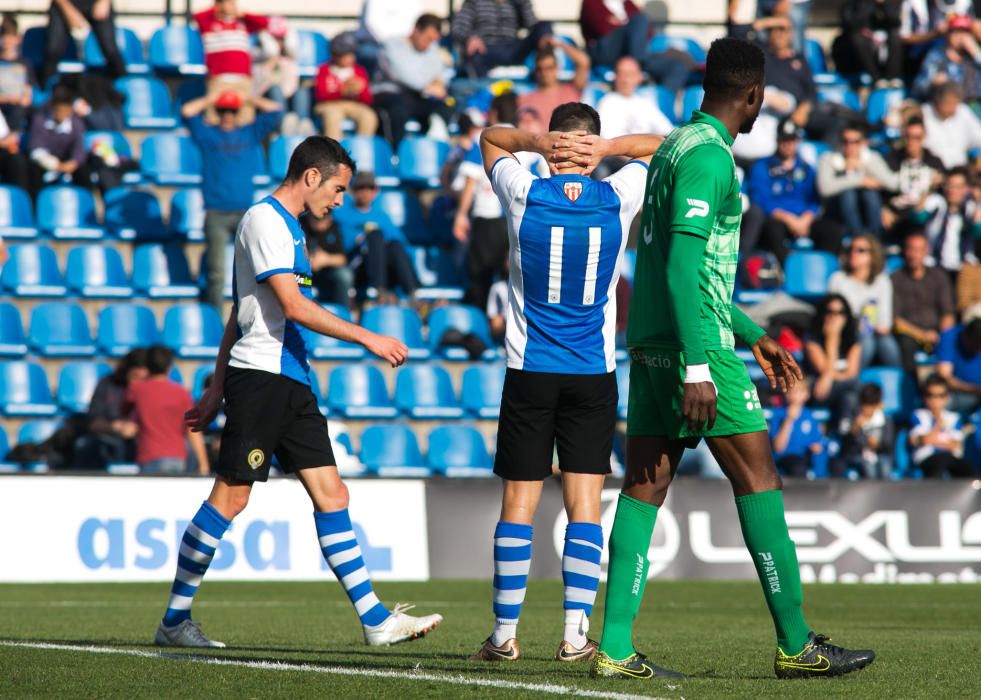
(960, 22)
(229, 99)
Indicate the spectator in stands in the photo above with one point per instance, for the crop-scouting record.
(549, 91)
(411, 85)
(924, 23)
(16, 75)
(623, 111)
(951, 221)
(497, 308)
(795, 433)
(225, 35)
(783, 186)
(937, 435)
(231, 155)
(57, 142)
(959, 362)
(109, 437)
(923, 304)
(956, 60)
(97, 102)
(919, 171)
(868, 442)
(343, 90)
(382, 20)
(790, 87)
(69, 18)
(851, 181)
(332, 278)
(376, 247)
(834, 355)
(156, 406)
(14, 166)
(969, 285)
(614, 29)
(275, 71)
(870, 42)
(487, 32)
(863, 282)
(952, 128)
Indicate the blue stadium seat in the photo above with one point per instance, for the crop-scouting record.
(899, 395)
(373, 153)
(118, 142)
(623, 387)
(32, 48)
(96, 272)
(840, 95)
(405, 212)
(663, 42)
(323, 347)
(312, 51)
(187, 214)
(201, 375)
(24, 390)
(880, 101)
(664, 98)
(280, 150)
(12, 340)
(171, 159)
(32, 271)
(76, 382)
(806, 273)
(594, 92)
(459, 450)
(421, 160)
(60, 329)
(426, 392)
(16, 213)
(161, 272)
(130, 48)
(5, 466)
(359, 391)
(193, 331)
(134, 215)
(466, 319)
(814, 55)
(177, 49)
(67, 212)
(398, 322)
(148, 104)
(690, 101)
(481, 390)
(36, 431)
(438, 272)
(811, 151)
(123, 327)
(392, 451)
(229, 268)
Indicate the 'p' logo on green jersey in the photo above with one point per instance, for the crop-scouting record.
(699, 207)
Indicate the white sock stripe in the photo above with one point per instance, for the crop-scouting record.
(202, 536)
(366, 603)
(512, 568)
(190, 578)
(194, 555)
(509, 597)
(343, 557)
(354, 578)
(336, 538)
(511, 542)
(580, 566)
(584, 543)
(180, 602)
(580, 595)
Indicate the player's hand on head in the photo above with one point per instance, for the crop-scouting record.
(698, 406)
(387, 348)
(203, 413)
(779, 366)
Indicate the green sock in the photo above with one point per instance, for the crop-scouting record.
(629, 542)
(764, 525)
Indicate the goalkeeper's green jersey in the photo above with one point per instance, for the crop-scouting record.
(692, 189)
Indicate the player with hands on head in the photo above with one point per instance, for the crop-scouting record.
(262, 374)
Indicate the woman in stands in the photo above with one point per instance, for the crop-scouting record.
(833, 355)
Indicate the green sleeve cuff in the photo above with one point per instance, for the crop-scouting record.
(744, 328)
(684, 294)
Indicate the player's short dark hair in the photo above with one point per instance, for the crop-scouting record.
(429, 21)
(870, 394)
(574, 116)
(158, 359)
(320, 152)
(732, 67)
(505, 107)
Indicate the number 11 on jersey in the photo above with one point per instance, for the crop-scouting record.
(557, 242)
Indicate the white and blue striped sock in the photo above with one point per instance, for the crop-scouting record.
(512, 561)
(197, 549)
(580, 575)
(343, 554)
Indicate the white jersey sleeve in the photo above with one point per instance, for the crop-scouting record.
(630, 184)
(511, 181)
(267, 243)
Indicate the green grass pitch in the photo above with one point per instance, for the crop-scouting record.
(302, 640)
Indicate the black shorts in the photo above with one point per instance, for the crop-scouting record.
(268, 414)
(577, 413)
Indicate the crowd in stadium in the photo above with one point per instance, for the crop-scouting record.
(861, 233)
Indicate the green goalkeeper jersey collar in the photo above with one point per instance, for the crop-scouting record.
(699, 117)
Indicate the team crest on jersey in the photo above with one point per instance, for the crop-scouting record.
(572, 190)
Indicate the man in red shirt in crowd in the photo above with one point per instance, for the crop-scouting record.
(342, 90)
(156, 408)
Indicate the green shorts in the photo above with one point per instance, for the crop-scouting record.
(656, 385)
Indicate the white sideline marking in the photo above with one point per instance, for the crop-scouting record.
(336, 670)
